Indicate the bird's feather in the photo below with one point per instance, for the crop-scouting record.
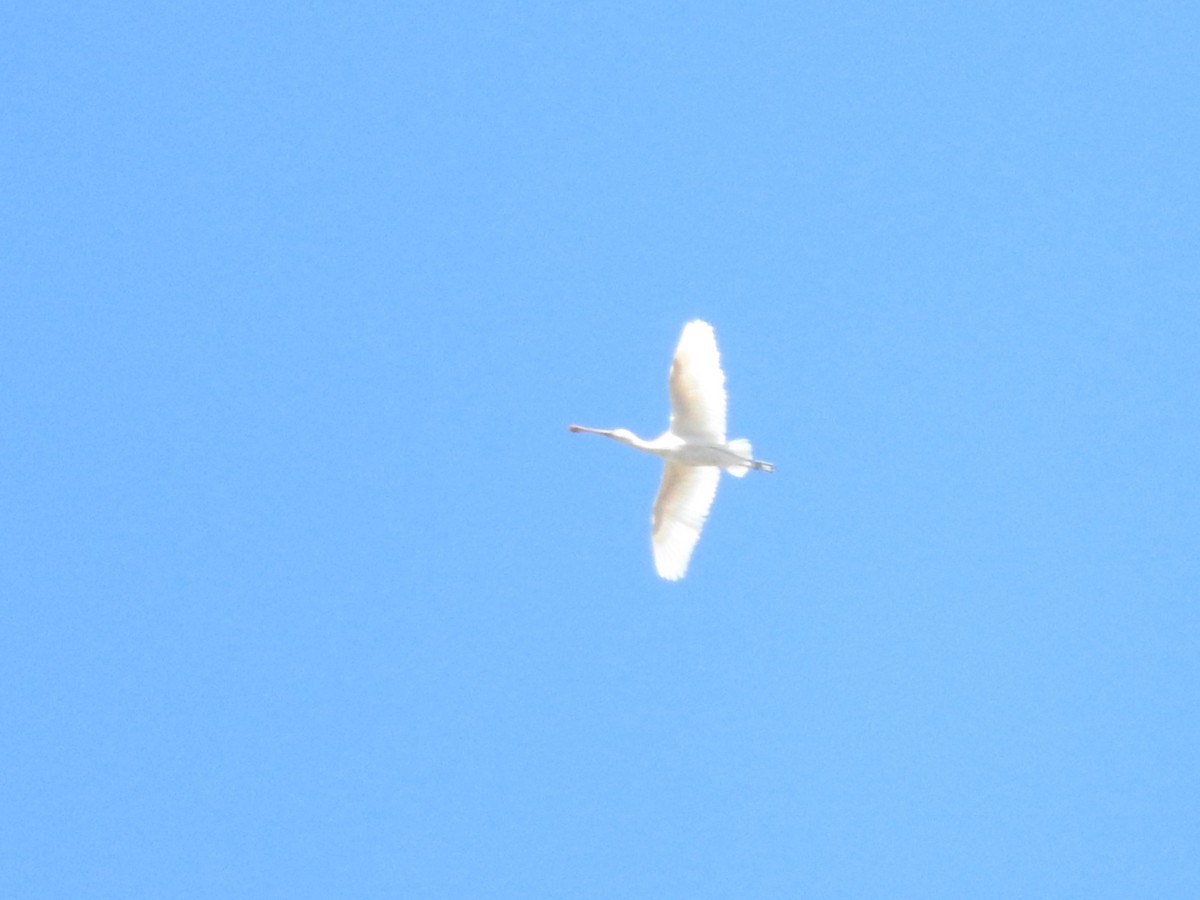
(684, 498)
(697, 385)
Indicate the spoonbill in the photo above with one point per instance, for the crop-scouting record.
(693, 448)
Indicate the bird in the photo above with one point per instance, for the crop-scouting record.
(693, 448)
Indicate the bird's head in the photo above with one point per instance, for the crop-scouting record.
(624, 435)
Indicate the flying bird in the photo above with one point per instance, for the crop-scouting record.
(693, 448)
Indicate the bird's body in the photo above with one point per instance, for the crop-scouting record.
(693, 449)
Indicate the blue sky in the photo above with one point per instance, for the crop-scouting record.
(305, 591)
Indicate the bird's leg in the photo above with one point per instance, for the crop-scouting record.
(760, 466)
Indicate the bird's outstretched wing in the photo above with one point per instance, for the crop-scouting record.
(682, 505)
(697, 385)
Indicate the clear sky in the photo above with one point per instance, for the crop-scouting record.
(306, 591)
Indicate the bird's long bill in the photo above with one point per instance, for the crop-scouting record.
(580, 429)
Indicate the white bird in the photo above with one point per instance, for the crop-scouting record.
(693, 448)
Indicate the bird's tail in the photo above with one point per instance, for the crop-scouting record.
(741, 449)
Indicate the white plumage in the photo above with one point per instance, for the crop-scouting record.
(693, 448)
